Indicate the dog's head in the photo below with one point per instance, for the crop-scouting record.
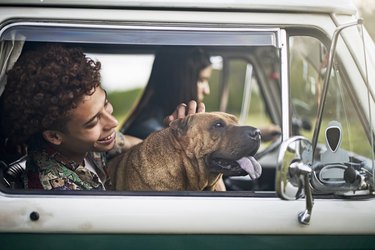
(217, 138)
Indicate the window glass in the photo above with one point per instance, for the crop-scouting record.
(343, 142)
(340, 107)
(307, 64)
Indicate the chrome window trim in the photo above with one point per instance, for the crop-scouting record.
(284, 85)
(272, 39)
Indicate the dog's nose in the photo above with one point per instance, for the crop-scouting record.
(255, 133)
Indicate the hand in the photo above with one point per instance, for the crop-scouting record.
(270, 133)
(184, 110)
(131, 141)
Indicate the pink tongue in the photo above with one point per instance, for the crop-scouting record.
(251, 166)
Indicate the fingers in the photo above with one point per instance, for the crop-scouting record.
(179, 112)
(184, 110)
(194, 107)
(169, 119)
(191, 108)
(201, 108)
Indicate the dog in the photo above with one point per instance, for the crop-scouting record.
(192, 154)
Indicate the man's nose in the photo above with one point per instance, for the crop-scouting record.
(110, 121)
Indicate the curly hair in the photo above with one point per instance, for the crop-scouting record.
(43, 87)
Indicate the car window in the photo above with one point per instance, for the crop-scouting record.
(342, 144)
(341, 106)
(245, 79)
(308, 60)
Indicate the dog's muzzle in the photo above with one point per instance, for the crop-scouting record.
(245, 166)
(242, 162)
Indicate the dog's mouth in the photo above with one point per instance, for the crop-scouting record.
(246, 165)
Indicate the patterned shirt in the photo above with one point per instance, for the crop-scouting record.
(47, 169)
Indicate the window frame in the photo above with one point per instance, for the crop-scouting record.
(276, 37)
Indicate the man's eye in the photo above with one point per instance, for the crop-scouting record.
(93, 123)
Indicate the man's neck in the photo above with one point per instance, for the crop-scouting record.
(68, 155)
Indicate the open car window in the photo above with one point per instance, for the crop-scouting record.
(245, 80)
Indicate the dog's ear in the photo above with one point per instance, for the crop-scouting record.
(230, 116)
(180, 126)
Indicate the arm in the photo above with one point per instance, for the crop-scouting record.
(270, 132)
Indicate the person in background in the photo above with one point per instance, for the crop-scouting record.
(53, 102)
(178, 75)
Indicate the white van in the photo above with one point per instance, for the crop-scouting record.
(306, 66)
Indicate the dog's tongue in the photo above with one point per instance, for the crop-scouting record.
(251, 166)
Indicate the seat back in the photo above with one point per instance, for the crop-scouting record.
(12, 174)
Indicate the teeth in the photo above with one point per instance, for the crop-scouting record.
(107, 138)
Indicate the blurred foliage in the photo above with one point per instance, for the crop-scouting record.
(237, 69)
(236, 80)
(369, 20)
(123, 101)
(212, 101)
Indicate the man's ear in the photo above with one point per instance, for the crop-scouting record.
(53, 136)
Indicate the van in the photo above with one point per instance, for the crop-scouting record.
(306, 66)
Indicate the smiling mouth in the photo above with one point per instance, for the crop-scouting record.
(108, 139)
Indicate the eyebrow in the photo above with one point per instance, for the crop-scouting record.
(96, 115)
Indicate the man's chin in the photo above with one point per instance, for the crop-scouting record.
(100, 147)
(106, 143)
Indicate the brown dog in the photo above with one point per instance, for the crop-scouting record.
(192, 154)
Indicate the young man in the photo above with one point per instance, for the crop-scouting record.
(54, 103)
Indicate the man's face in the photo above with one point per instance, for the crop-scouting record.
(91, 127)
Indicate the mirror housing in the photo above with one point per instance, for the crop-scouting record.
(294, 172)
(295, 158)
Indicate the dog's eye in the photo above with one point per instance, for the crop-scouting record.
(219, 124)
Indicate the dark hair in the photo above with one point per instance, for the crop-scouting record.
(45, 84)
(176, 71)
(173, 80)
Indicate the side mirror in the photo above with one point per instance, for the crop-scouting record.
(293, 173)
(293, 153)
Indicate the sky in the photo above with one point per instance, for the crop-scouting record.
(138, 66)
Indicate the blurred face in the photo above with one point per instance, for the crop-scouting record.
(203, 84)
(91, 128)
